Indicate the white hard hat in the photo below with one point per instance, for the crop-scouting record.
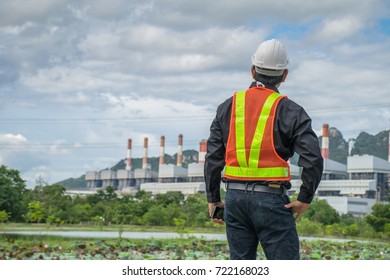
(270, 58)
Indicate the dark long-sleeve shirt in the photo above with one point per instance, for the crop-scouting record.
(292, 133)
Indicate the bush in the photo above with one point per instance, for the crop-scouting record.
(379, 217)
(334, 230)
(386, 231)
(307, 227)
(351, 230)
(320, 211)
(4, 216)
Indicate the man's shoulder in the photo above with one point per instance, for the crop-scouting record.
(225, 104)
(287, 102)
(287, 108)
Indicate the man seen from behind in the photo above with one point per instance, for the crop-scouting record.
(252, 137)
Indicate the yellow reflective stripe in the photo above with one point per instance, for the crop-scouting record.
(266, 172)
(240, 128)
(254, 154)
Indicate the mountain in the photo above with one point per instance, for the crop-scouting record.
(338, 147)
(376, 145)
(74, 183)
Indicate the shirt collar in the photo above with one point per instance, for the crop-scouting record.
(254, 84)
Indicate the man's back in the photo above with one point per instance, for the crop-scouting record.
(253, 135)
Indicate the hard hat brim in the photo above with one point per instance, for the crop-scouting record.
(269, 72)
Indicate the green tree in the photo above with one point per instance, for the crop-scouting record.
(12, 190)
(195, 210)
(109, 194)
(320, 211)
(57, 203)
(379, 217)
(79, 213)
(124, 211)
(156, 216)
(4, 216)
(169, 198)
(36, 211)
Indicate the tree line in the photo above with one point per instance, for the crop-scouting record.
(50, 204)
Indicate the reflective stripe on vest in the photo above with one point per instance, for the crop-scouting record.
(250, 169)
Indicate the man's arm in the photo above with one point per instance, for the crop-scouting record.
(306, 145)
(310, 159)
(214, 162)
(297, 134)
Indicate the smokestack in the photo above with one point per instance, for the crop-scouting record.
(325, 140)
(202, 151)
(351, 145)
(128, 161)
(162, 149)
(389, 145)
(145, 158)
(180, 151)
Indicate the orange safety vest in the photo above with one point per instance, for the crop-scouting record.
(250, 151)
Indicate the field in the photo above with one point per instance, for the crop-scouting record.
(17, 247)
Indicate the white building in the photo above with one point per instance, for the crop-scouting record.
(171, 173)
(350, 205)
(185, 188)
(367, 184)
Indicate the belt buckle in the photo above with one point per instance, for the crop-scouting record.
(275, 186)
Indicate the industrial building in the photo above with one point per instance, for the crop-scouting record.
(351, 188)
(128, 180)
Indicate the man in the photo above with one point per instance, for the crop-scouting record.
(252, 137)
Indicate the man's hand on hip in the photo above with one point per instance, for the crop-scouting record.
(297, 207)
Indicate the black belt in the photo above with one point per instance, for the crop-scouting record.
(253, 187)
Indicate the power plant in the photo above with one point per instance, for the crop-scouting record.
(351, 188)
(130, 181)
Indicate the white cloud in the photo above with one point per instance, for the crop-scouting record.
(58, 148)
(338, 29)
(61, 79)
(94, 73)
(40, 172)
(17, 12)
(12, 138)
(16, 29)
(192, 14)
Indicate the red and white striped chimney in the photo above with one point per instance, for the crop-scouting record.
(128, 161)
(180, 151)
(325, 141)
(145, 158)
(202, 151)
(162, 149)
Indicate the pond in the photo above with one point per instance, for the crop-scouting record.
(150, 235)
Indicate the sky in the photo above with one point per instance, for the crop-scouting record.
(79, 77)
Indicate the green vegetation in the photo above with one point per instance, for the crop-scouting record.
(105, 210)
(13, 247)
(47, 207)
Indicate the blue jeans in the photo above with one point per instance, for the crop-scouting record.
(260, 217)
